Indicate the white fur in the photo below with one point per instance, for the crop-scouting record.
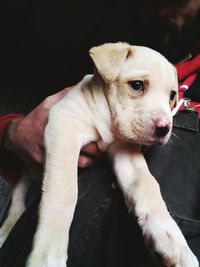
(104, 108)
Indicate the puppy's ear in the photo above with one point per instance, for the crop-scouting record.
(109, 59)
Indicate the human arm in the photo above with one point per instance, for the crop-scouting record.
(24, 136)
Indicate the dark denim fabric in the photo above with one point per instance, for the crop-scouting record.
(5, 196)
(103, 234)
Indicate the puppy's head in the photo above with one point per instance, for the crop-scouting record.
(141, 89)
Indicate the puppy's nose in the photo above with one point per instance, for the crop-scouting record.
(162, 127)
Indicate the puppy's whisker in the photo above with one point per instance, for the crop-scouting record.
(176, 136)
(171, 137)
(170, 141)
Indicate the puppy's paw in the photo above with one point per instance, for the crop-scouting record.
(51, 255)
(48, 253)
(15, 212)
(168, 241)
(45, 261)
(3, 236)
(4, 231)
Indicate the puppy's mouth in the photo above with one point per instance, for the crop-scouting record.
(160, 137)
(148, 135)
(154, 136)
(152, 141)
(146, 140)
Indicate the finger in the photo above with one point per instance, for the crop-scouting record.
(91, 150)
(85, 161)
(38, 154)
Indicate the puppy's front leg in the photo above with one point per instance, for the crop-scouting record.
(142, 195)
(59, 197)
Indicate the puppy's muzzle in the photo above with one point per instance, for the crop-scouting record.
(162, 128)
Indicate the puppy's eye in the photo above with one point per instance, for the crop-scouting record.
(172, 95)
(137, 85)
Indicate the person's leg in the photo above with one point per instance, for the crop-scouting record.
(5, 198)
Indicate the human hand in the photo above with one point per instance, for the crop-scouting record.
(25, 135)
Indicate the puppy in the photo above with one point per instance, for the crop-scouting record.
(126, 103)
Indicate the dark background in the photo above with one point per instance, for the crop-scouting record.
(44, 43)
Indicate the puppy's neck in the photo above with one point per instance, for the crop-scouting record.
(94, 91)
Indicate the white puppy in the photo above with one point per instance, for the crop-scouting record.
(125, 104)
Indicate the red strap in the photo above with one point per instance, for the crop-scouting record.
(187, 71)
(4, 120)
(10, 175)
(189, 67)
(186, 84)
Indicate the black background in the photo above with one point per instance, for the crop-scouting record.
(44, 44)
